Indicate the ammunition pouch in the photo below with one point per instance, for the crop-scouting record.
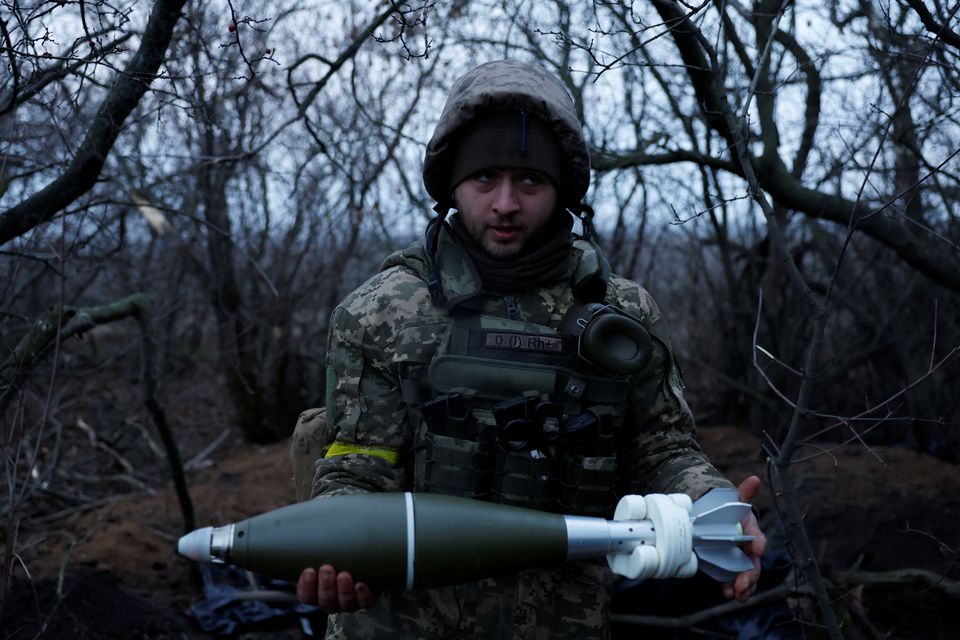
(586, 485)
(453, 466)
(451, 458)
(523, 480)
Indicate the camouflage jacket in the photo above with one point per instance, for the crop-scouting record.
(389, 324)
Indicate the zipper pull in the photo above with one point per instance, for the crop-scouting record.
(512, 310)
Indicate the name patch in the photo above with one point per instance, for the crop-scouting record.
(523, 342)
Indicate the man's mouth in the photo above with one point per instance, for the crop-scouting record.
(504, 232)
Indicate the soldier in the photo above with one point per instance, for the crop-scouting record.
(501, 360)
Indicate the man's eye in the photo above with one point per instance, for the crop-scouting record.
(483, 176)
(532, 179)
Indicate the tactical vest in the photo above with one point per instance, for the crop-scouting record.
(525, 414)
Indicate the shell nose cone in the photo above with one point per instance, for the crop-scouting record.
(196, 545)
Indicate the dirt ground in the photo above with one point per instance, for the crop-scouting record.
(113, 572)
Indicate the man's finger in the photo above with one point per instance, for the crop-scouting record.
(345, 592)
(364, 595)
(327, 589)
(307, 587)
(746, 582)
(747, 491)
(751, 527)
(749, 488)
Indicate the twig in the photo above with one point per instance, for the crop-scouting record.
(902, 577)
(318, 86)
(198, 459)
(903, 390)
(778, 593)
(730, 381)
(48, 519)
(755, 347)
(856, 609)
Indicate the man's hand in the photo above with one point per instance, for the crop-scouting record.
(746, 583)
(334, 592)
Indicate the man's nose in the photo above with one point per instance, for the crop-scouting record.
(505, 198)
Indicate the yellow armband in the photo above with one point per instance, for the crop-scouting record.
(389, 454)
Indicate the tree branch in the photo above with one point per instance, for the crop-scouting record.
(723, 119)
(334, 66)
(760, 599)
(82, 172)
(52, 325)
(16, 97)
(609, 160)
(938, 30)
(913, 245)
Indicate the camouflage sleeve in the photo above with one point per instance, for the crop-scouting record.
(657, 449)
(364, 411)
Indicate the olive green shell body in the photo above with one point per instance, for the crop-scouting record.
(455, 539)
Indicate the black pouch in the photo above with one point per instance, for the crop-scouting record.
(586, 485)
(453, 466)
(449, 414)
(523, 479)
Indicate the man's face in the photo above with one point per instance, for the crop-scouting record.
(504, 209)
